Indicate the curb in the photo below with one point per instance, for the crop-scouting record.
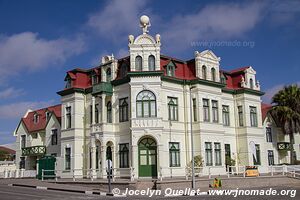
(66, 190)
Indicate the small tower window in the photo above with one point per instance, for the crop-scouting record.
(108, 75)
(151, 63)
(94, 79)
(68, 83)
(213, 74)
(138, 63)
(251, 83)
(35, 118)
(204, 75)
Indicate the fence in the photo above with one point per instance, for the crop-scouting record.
(18, 173)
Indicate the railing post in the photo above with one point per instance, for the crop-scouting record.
(244, 171)
(42, 174)
(294, 172)
(73, 174)
(186, 173)
(131, 174)
(160, 173)
(113, 174)
(209, 174)
(228, 171)
(283, 170)
(272, 171)
(55, 174)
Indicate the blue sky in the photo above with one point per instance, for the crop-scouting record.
(41, 40)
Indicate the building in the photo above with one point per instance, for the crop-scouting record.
(37, 134)
(137, 111)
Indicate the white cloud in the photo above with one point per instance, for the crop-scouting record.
(214, 21)
(269, 93)
(27, 52)
(11, 92)
(117, 19)
(18, 110)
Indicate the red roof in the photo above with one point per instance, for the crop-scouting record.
(265, 109)
(41, 124)
(185, 70)
(8, 150)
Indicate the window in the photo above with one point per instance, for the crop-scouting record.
(68, 117)
(94, 79)
(204, 73)
(96, 113)
(195, 109)
(215, 111)
(151, 63)
(48, 114)
(251, 83)
(257, 160)
(68, 83)
(68, 158)
(226, 120)
(213, 74)
(54, 137)
(123, 110)
(205, 110)
(170, 70)
(218, 159)
(36, 118)
(146, 104)
(223, 79)
(22, 162)
(97, 156)
(123, 70)
(138, 63)
(91, 114)
(173, 108)
(108, 75)
(124, 155)
(23, 141)
(109, 112)
(253, 116)
(34, 135)
(174, 154)
(208, 153)
(271, 157)
(240, 113)
(269, 134)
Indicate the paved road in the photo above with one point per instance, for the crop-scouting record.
(9, 193)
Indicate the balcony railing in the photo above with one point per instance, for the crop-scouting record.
(34, 151)
(146, 122)
(102, 87)
(284, 146)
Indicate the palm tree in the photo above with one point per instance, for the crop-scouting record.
(286, 112)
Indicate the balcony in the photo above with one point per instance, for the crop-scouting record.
(102, 87)
(34, 151)
(284, 146)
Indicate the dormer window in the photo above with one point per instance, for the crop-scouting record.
(251, 83)
(68, 83)
(151, 63)
(204, 75)
(213, 74)
(108, 75)
(94, 78)
(123, 70)
(171, 69)
(48, 114)
(138, 63)
(35, 118)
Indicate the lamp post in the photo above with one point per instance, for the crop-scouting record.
(192, 139)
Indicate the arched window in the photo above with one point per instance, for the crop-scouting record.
(204, 73)
(108, 75)
(213, 74)
(251, 83)
(151, 63)
(138, 63)
(109, 112)
(146, 104)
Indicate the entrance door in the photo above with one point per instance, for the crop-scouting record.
(147, 158)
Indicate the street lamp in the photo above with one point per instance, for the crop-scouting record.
(192, 139)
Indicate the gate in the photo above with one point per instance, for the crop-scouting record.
(46, 163)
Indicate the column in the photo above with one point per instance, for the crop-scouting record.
(93, 157)
(93, 110)
(103, 161)
(134, 160)
(103, 118)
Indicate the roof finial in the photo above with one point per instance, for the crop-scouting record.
(145, 23)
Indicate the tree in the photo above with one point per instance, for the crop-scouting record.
(286, 112)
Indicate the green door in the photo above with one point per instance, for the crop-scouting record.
(47, 163)
(147, 158)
